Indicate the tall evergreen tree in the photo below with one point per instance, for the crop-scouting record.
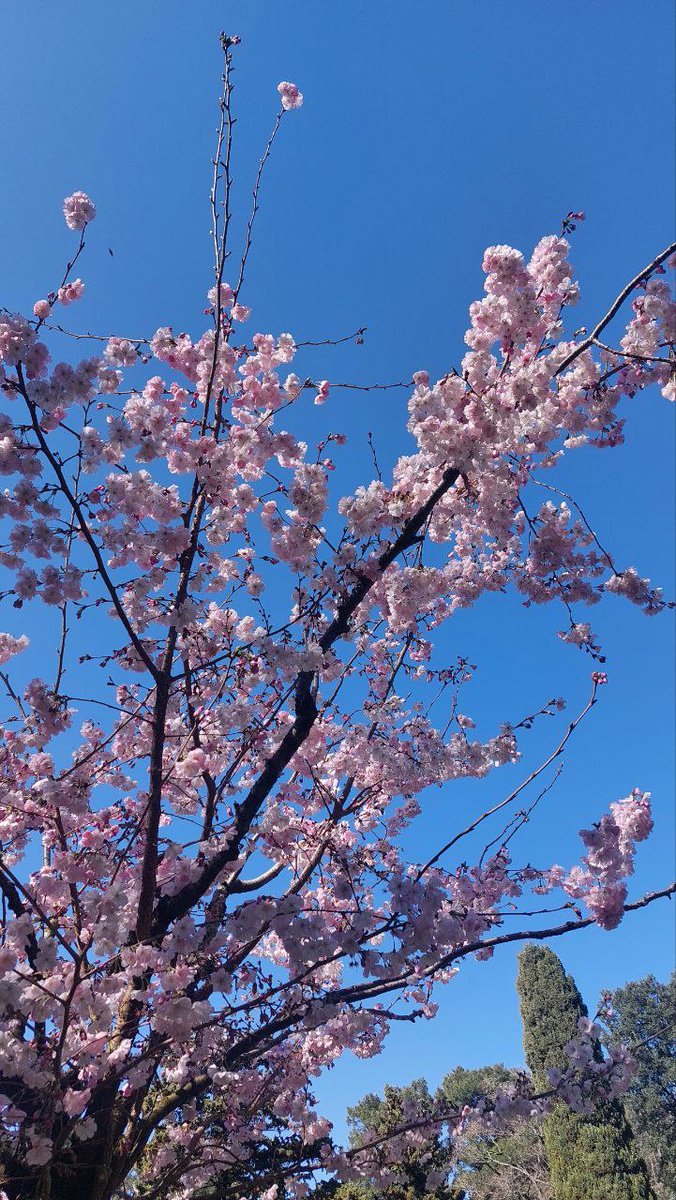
(591, 1156)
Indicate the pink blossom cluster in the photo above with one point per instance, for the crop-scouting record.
(10, 645)
(611, 846)
(78, 210)
(596, 1072)
(291, 97)
(69, 292)
(653, 328)
(629, 583)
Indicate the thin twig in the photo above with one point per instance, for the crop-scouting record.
(614, 308)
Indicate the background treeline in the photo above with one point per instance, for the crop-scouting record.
(623, 1151)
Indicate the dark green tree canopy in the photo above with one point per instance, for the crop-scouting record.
(551, 1006)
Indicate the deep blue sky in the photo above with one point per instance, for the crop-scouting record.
(429, 131)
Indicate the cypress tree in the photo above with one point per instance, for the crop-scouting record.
(590, 1156)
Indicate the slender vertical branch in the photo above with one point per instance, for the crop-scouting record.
(84, 528)
(255, 202)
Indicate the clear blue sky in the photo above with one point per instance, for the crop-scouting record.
(429, 131)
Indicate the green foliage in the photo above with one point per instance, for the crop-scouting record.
(271, 1157)
(467, 1085)
(591, 1157)
(509, 1166)
(496, 1167)
(644, 1017)
(567, 1157)
(383, 1114)
(353, 1191)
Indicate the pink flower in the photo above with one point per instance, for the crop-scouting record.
(109, 380)
(226, 295)
(291, 97)
(240, 312)
(120, 352)
(40, 1150)
(465, 722)
(74, 1101)
(322, 391)
(42, 309)
(70, 292)
(78, 210)
(10, 645)
(17, 335)
(606, 904)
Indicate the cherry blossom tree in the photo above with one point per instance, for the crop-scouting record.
(206, 895)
